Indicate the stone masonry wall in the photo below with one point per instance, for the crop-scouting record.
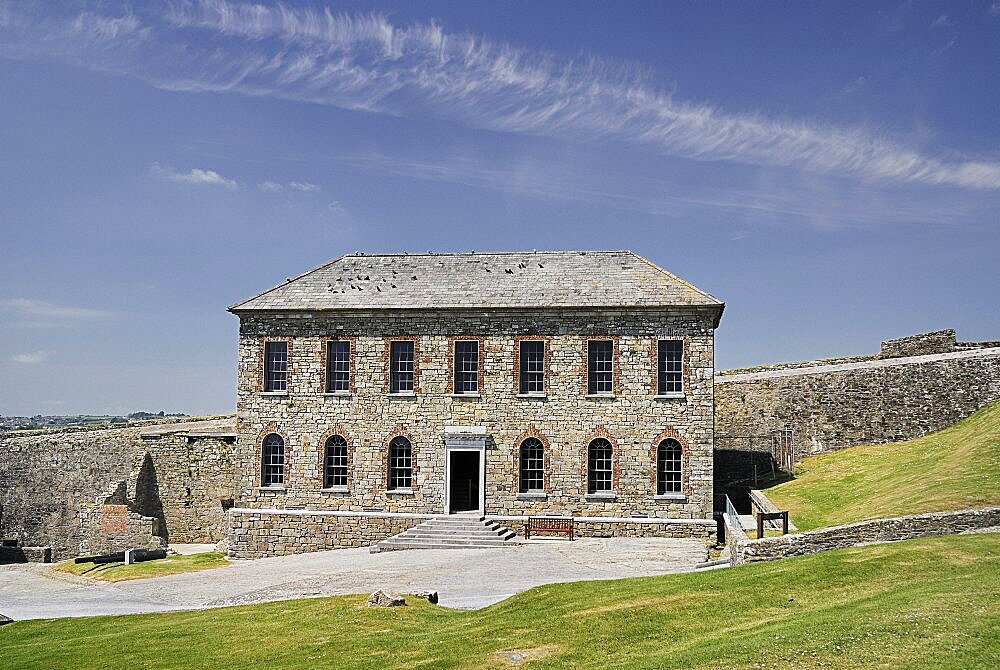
(48, 479)
(258, 533)
(566, 419)
(108, 528)
(743, 550)
(876, 399)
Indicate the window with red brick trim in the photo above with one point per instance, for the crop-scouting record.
(600, 466)
(669, 469)
(272, 461)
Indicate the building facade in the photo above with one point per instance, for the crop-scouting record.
(379, 390)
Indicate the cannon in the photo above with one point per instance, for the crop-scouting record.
(138, 556)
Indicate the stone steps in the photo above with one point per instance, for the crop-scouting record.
(449, 533)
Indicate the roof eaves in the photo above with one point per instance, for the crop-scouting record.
(235, 307)
(691, 286)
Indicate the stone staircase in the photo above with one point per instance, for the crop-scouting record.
(451, 532)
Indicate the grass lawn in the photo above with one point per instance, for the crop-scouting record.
(928, 603)
(956, 468)
(119, 572)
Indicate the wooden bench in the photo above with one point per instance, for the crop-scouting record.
(559, 525)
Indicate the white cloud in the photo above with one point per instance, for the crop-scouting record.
(105, 29)
(31, 358)
(194, 176)
(944, 22)
(39, 308)
(366, 62)
(303, 186)
(270, 187)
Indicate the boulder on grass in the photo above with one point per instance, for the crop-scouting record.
(382, 599)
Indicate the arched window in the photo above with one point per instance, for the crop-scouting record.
(600, 455)
(400, 463)
(532, 462)
(272, 471)
(668, 467)
(335, 463)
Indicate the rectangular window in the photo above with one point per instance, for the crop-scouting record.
(276, 366)
(338, 367)
(670, 367)
(401, 366)
(532, 373)
(600, 367)
(467, 366)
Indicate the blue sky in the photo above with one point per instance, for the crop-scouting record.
(831, 171)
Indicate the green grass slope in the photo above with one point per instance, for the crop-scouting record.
(171, 565)
(956, 468)
(928, 603)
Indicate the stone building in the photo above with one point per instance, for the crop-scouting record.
(377, 391)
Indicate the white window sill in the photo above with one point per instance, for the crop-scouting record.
(533, 495)
(399, 492)
(337, 394)
(336, 490)
(601, 497)
(673, 395)
(272, 489)
(276, 394)
(537, 396)
(675, 497)
(405, 394)
(465, 395)
(598, 396)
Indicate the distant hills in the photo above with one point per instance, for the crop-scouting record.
(39, 421)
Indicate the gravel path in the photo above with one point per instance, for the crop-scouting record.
(464, 578)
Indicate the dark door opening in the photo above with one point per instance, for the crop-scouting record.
(463, 485)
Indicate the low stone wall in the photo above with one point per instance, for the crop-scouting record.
(743, 550)
(258, 533)
(25, 554)
(625, 527)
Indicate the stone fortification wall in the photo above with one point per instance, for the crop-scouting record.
(177, 474)
(914, 386)
(744, 550)
(565, 419)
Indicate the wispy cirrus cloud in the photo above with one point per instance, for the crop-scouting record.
(367, 62)
(277, 187)
(194, 176)
(270, 187)
(31, 358)
(29, 307)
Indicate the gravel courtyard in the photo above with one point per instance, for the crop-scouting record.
(464, 578)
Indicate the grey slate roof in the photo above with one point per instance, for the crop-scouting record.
(530, 279)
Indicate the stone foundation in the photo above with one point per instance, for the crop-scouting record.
(258, 533)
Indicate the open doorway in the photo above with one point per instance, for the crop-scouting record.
(463, 481)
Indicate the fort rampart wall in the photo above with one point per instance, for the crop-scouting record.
(914, 386)
(90, 490)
